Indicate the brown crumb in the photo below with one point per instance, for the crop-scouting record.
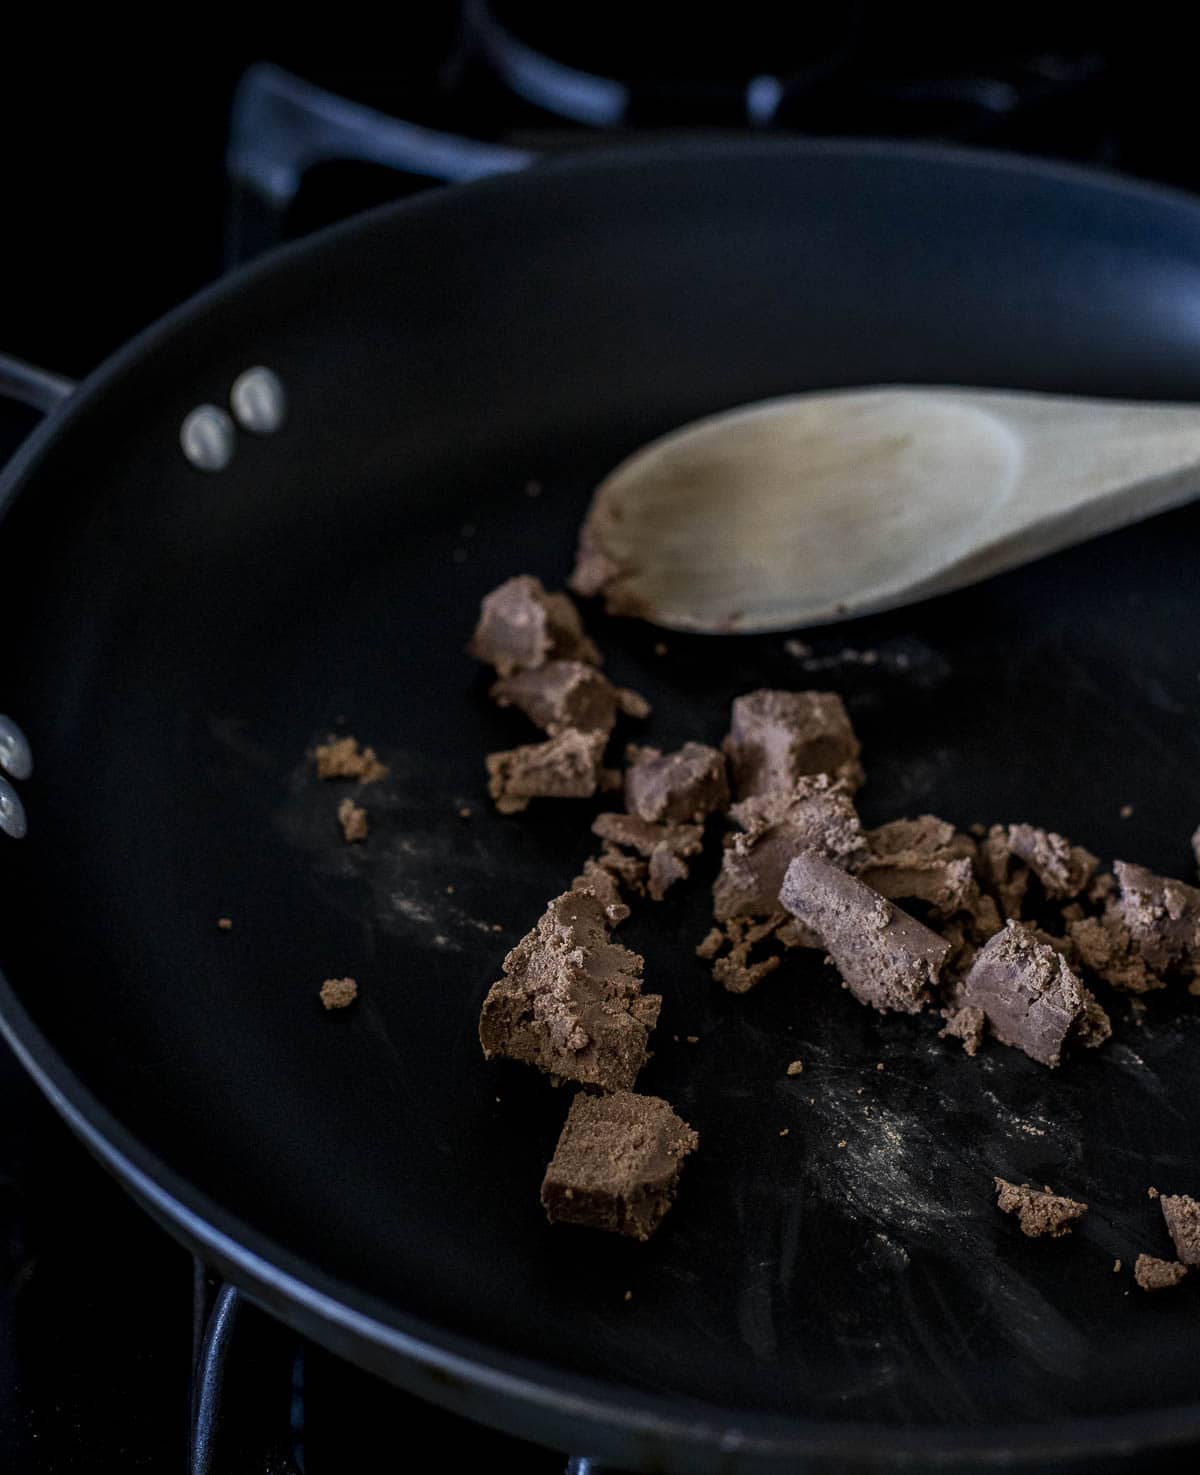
(1153, 1274)
(464, 811)
(566, 766)
(342, 758)
(1116, 1267)
(735, 971)
(1038, 1212)
(338, 993)
(879, 1065)
(660, 648)
(628, 1296)
(353, 820)
(1152, 1193)
(693, 1039)
(1182, 1217)
(795, 1067)
(711, 944)
(633, 704)
(967, 1025)
(783, 1131)
(842, 1143)
(797, 649)
(225, 924)
(497, 926)
(1125, 811)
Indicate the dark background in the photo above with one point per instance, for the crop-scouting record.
(115, 207)
(111, 155)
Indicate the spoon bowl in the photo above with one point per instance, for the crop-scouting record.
(817, 507)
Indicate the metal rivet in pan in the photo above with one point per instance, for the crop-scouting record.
(258, 400)
(12, 812)
(16, 756)
(763, 96)
(207, 437)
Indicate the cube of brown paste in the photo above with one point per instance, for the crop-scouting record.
(561, 694)
(521, 626)
(566, 766)
(927, 860)
(886, 958)
(617, 1163)
(1063, 869)
(571, 1001)
(680, 787)
(1163, 918)
(1104, 944)
(664, 847)
(777, 737)
(1031, 998)
(1182, 1215)
(607, 888)
(1011, 855)
(817, 814)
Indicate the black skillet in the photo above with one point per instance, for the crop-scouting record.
(174, 642)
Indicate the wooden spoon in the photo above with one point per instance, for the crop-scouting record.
(822, 506)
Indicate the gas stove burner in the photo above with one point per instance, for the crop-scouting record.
(655, 78)
(848, 72)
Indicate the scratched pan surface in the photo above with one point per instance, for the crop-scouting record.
(835, 1281)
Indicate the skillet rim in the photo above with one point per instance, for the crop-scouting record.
(570, 1409)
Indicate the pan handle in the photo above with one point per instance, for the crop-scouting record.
(281, 126)
(41, 391)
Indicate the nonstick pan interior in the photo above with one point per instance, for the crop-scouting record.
(175, 644)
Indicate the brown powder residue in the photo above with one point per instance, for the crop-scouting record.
(353, 820)
(343, 758)
(225, 924)
(338, 993)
